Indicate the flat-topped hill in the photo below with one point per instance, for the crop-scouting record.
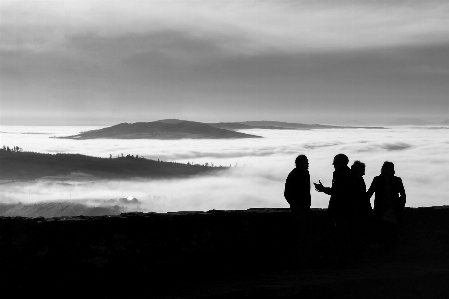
(162, 129)
(30, 166)
(279, 125)
(410, 122)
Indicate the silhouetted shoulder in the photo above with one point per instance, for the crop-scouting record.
(397, 179)
(376, 180)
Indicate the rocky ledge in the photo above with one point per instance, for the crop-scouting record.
(226, 254)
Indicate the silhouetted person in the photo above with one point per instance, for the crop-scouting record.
(297, 194)
(341, 204)
(297, 185)
(360, 223)
(389, 203)
(362, 203)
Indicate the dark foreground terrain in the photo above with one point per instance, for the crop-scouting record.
(30, 166)
(66, 208)
(215, 254)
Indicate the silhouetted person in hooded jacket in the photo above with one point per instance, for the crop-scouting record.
(297, 194)
(389, 203)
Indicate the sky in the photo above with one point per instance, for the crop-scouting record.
(337, 62)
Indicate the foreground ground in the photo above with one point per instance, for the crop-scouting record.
(215, 254)
(387, 279)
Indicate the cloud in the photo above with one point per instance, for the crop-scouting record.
(420, 158)
(149, 76)
(107, 62)
(373, 146)
(259, 25)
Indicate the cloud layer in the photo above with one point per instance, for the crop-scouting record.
(420, 157)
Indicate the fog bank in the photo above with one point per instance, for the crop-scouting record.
(420, 156)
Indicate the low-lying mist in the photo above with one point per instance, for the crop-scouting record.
(260, 166)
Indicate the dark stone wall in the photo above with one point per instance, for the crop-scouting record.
(54, 254)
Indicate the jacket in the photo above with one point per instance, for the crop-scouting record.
(297, 189)
(342, 201)
(398, 196)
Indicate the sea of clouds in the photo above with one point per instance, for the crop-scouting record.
(259, 166)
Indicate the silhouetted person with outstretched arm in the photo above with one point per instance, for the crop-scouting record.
(297, 194)
(389, 203)
(341, 204)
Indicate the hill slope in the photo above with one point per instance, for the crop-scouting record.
(58, 209)
(409, 122)
(162, 129)
(30, 166)
(279, 125)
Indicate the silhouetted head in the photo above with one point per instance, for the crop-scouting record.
(358, 168)
(302, 162)
(340, 160)
(387, 170)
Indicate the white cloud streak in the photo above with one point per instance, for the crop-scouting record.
(241, 26)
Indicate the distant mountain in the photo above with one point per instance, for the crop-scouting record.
(58, 209)
(410, 122)
(162, 129)
(31, 166)
(279, 126)
(445, 122)
(355, 122)
(288, 125)
(242, 126)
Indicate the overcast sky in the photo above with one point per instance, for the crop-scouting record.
(321, 61)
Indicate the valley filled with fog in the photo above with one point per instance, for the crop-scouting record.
(259, 166)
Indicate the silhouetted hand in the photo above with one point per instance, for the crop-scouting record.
(319, 187)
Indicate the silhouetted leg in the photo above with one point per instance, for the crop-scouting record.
(301, 223)
(355, 236)
(390, 238)
(343, 242)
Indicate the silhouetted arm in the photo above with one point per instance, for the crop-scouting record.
(403, 196)
(328, 190)
(371, 189)
(288, 187)
(320, 188)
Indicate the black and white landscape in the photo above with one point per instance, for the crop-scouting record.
(205, 174)
(155, 91)
(145, 146)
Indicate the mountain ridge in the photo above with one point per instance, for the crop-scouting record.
(278, 125)
(162, 129)
(30, 166)
(408, 121)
